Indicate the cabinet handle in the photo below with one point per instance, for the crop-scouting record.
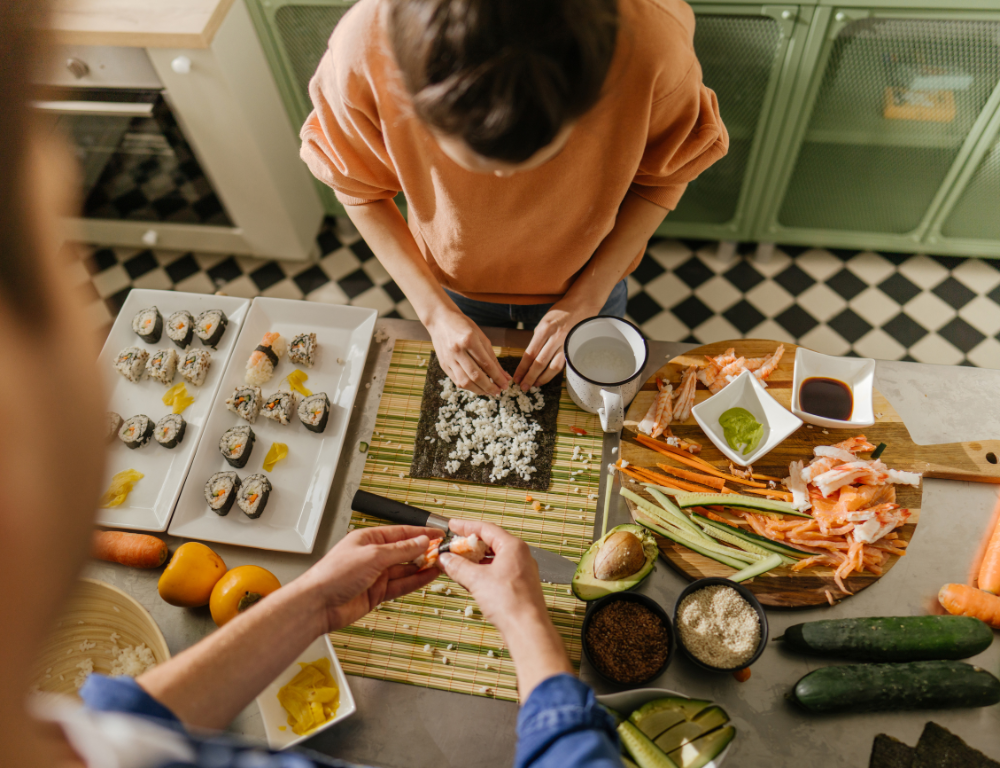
(181, 65)
(841, 16)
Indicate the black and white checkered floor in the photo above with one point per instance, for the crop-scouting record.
(884, 305)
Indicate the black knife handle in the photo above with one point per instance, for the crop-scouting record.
(394, 511)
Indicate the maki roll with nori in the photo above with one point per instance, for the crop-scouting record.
(135, 432)
(314, 412)
(195, 364)
(209, 327)
(253, 494)
(245, 402)
(279, 407)
(221, 490)
(148, 325)
(236, 445)
(169, 430)
(162, 365)
(130, 363)
(112, 423)
(302, 350)
(180, 328)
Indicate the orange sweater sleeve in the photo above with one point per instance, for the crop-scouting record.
(686, 136)
(342, 143)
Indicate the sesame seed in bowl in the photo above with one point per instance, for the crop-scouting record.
(720, 625)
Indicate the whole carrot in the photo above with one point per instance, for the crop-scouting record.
(963, 600)
(989, 571)
(135, 550)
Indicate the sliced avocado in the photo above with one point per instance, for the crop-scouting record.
(586, 586)
(700, 752)
(645, 753)
(656, 716)
(691, 730)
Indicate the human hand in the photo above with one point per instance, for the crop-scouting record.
(544, 357)
(465, 353)
(366, 567)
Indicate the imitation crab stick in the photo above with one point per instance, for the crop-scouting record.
(963, 600)
(989, 571)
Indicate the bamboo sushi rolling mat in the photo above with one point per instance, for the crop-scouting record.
(389, 643)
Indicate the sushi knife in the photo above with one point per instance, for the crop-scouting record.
(552, 568)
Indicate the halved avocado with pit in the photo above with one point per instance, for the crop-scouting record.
(700, 752)
(624, 562)
(655, 717)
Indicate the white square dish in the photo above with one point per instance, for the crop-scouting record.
(857, 372)
(274, 715)
(301, 482)
(151, 502)
(746, 392)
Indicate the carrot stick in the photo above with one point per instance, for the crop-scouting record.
(135, 550)
(697, 477)
(963, 600)
(770, 493)
(757, 476)
(669, 450)
(694, 462)
(648, 476)
(989, 571)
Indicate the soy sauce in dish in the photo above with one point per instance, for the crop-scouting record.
(828, 398)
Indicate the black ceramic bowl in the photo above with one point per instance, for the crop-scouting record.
(747, 595)
(633, 597)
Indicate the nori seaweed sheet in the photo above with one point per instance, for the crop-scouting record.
(940, 748)
(429, 457)
(890, 752)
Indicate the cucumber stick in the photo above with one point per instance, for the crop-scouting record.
(645, 753)
(892, 687)
(673, 511)
(681, 536)
(750, 536)
(765, 565)
(659, 517)
(753, 503)
(739, 541)
(694, 546)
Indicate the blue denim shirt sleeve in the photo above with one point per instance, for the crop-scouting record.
(561, 725)
(123, 694)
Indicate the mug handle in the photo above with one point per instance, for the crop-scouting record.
(613, 413)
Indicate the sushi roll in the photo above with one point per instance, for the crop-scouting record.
(279, 407)
(252, 496)
(314, 412)
(302, 350)
(169, 430)
(112, 423)
(135, 432)
(162, 365)
(236, 445)
(130, 363)
(209, 327)
(180, 328)
(245, 403)
(261, 365)
(221, 490)
(148, 325)
(195, 364)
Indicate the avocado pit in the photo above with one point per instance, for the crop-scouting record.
(620, 556)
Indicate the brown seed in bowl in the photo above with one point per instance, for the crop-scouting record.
(620, 556)
(627, 642)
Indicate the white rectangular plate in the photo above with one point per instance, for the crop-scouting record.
(151, 501)
(301, 482)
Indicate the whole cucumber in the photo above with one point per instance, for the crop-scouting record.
(889, 687)
(891, 638)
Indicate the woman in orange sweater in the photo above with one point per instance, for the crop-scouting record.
(539, 144)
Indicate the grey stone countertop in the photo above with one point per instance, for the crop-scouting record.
(403, 726)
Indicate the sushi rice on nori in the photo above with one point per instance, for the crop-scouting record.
(302, 350)
(210, 325)
(112, 423)
(314, 412)
(180, 328)
(148, 325)
(236, 445)
(221, 490)
(162, 365)
(279, 407)
(194, 365)
(245, 402)
(169, 430)
(130, 363)
(253, 495)
(264, 359)
(136, 431)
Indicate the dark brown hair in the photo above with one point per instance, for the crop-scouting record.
(503, 75)
(20, 284)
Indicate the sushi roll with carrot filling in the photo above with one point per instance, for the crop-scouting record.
(209, 327)
(279, 407)
(245, 402)
(148, 325)
(169, 430)
(314, 412)
(112, 423)
(136, 431)
(162, 365)
(194, 365)
(253, 495)
(302, 350)
(263, 361)
(221, 490)
(180, 328)
(236, 445)
(130, 363)
(471, 547)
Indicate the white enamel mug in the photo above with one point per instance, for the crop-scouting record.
(604, 357)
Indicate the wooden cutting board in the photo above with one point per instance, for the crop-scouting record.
(975, 461)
